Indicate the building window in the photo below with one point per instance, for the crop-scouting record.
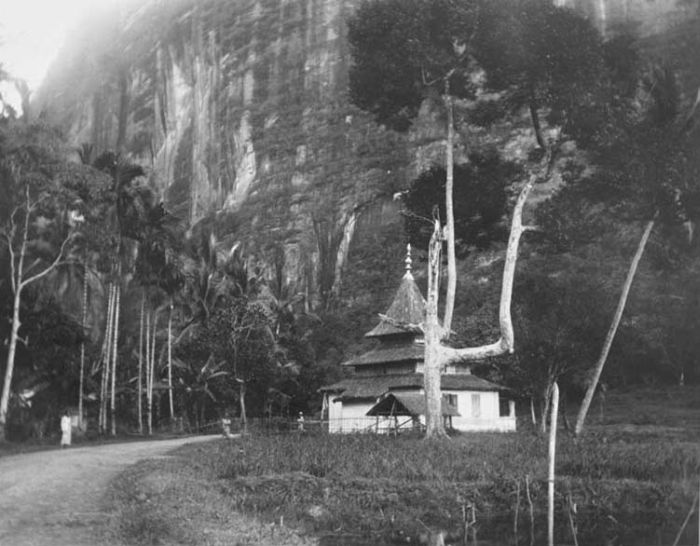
(451, 399)
(476, 406)
(503, 407)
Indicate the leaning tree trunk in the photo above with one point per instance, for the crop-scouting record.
(117, 298)
(552, 451)
(14, 336)
(17, 285)
(241, 394)
(588, 398)
(106, 360)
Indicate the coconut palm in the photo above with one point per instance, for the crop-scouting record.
(125, 217)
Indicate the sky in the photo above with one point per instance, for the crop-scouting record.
(32, 32)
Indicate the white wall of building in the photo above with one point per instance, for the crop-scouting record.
(479, 411)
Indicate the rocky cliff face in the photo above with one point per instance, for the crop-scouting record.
(240, 111)
(645, 17)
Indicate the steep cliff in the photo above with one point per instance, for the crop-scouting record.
(240, 112)
(645, 17)
(238, 109)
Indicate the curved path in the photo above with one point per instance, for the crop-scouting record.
(53, 498)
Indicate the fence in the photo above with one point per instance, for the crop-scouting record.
(281, 425)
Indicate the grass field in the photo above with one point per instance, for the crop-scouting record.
(628, 480)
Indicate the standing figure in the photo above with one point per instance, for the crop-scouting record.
(226, 426)
(300, 422)
(65, 429)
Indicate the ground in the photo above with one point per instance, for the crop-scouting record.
(56, 497)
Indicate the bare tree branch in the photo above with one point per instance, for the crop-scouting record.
(506, 343)
(57, 261)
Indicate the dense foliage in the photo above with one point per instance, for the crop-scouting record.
(407, 51)
(479, 201)
(524, 75)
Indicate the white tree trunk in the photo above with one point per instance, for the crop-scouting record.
(170, 363)
(432, 372)
(115, 355)
(18, 283)
(588, 398)
(449, 212)
(151, 372)
(81, 386)
(244, 417)
(139, 380)
(506, 343)
(437, 355)
(5, 399)
(149, 379)
(551, 460)
(106, 360)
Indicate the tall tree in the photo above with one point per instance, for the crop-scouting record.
(241, 336)
(407, 52)
(158, 268)
(543, 58)
(42, 212)
(652, 163)
(126, 218)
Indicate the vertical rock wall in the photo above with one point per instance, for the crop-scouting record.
(645, 17)
(238, 109)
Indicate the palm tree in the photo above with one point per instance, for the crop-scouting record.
(159, 272)
(126, 216)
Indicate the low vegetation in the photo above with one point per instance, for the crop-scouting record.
(624, 482)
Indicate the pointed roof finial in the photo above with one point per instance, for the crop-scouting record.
(408, 259)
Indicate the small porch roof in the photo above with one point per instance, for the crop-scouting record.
(407, 403)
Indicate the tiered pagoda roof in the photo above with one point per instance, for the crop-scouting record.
(370, 388)
(400, 338)
(407, 312)
(399, 327)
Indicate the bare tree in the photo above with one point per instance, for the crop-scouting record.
(610, 336)
(438, 354)
(18, 238)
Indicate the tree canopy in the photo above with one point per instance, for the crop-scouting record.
(405, 51)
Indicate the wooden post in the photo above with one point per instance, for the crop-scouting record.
(517, 511)
(552, 454)
(532, 512)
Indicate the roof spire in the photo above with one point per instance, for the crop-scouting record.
(408, 261)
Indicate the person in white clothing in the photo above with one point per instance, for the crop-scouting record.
(65, 429)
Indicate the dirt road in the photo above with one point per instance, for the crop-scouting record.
(53, 498)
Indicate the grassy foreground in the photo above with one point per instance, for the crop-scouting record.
(626, 483)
